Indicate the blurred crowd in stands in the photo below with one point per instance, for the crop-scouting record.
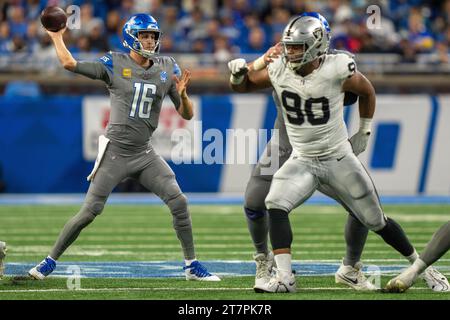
(225, 28)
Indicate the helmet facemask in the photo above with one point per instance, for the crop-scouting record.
(296, 60)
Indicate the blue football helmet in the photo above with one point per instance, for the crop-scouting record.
(138, 23)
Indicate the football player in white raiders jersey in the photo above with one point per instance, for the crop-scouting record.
(310, 85)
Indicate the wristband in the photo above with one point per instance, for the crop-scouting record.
(259, 63)
(365, 124)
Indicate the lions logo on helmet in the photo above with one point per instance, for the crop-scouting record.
(320, 17)
(138, 23)
(312, 31)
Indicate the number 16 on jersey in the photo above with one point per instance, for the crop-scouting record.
(141, 100)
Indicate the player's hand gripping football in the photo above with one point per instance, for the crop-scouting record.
(181, 83)
(359, 141)
(56, 34)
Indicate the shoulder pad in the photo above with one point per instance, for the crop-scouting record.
(345, 65)
(107, 61)
(336, 51)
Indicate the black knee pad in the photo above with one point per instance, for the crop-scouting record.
(254, 214)
(280, 229)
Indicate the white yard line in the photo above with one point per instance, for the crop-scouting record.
(175, 289)
(151, 254)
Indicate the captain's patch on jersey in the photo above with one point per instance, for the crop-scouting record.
(126, 73)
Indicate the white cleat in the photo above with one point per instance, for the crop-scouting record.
(435, 280)
(264, 265)
(278, 284)
(2, 258)
(354, 278)
(402, 282)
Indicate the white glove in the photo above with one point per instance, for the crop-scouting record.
(239, 69)
(360, 139)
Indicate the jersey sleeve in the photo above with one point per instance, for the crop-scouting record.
(275, 69)
(102, 69)
(173, 93)
(345, 66)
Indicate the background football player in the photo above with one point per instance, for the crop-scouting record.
(306, 78)
(2, 258)
(435, 249)
(138, 83)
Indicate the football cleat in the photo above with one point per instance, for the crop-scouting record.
(264, 265)
(435, 280)
(2, 258)
(354, 278)
(196, 271)
(402, 282)
(43, 269)
(278, 283)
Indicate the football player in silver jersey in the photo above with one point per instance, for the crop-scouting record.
(310, 85)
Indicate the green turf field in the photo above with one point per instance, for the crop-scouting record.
(144, 233)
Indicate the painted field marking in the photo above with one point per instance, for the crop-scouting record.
(299, 290)
(173, 269)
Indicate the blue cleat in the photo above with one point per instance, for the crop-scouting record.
(196, 271)
(43, 269)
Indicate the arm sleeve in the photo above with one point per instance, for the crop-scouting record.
(101, 69)
(173, 93)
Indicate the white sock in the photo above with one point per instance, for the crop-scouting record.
(284, 263)
(51, 258)
(188, 262)
(419, 266)
(413, 257)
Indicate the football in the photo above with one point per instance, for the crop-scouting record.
(53, 18)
